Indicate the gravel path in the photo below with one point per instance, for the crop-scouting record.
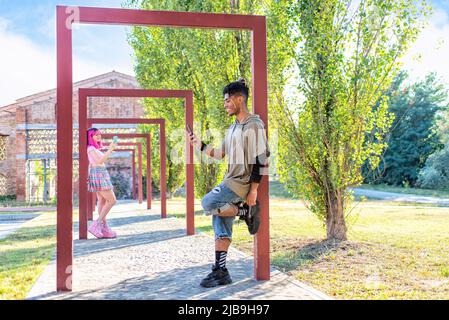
(154, 259)
(400, 197)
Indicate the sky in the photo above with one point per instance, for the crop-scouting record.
(28, 54)
(28, 47)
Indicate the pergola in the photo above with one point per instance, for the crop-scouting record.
(84, 123)
(162, 148)
(139, 167)
(92, 200)
(186, 95)
(108, 16)
(86, 203)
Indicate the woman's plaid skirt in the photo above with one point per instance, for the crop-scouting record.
(99, 179)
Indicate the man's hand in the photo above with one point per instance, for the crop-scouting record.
(194, 141)
(251, 198)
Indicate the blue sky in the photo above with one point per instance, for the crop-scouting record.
(27, 29)
(443, 4)
(27, 46)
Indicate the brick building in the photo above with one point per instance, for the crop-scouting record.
(28, 137)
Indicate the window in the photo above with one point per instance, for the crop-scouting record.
(3, 186)
(3, 147)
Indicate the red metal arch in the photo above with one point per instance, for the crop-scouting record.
(136, 195)
(85, 202)
(92, 199)
(163, 183)
(139, 194)
(64, 21)
(139, 169)
(186, 95)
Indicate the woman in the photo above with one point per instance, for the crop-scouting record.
(100, 182)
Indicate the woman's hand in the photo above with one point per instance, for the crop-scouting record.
(112, 146)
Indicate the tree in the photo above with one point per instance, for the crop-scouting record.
(205, 61)
(201, 60)
(413, 136)
(346, 54)
(435, 174)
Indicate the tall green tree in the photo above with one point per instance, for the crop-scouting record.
(346, 53)
(413, 136)
(435, 173)
(201, 60)
(204, 61)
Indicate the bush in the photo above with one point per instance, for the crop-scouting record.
(8, 197)
(121, 186)
(435, 174)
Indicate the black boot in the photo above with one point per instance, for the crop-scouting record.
(218, 277)
(251, 215)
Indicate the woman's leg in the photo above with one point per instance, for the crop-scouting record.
(109, 196)
(101, 203)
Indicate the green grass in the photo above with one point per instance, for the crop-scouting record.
(15, 212)
(277, 190)
(393, 252)
(15, 203)
(24, 255)
(414, 191)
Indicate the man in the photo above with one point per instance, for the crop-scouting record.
(246, 147)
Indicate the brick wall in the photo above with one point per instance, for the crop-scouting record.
(38, 112)
(21, 149)
(8, 165)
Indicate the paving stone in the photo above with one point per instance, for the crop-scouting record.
(154, 259)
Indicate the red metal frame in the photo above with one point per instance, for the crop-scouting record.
(133, 152)
(87, 203)
(84, 123)
(139, 194)
(148, 148)
(92, 201)
(133, 169)
(140, 167)
(148, 171)
(86, 15)
(163, 183)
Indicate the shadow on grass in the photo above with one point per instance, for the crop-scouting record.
(16, 259)
(30, 233)
(292, 258)
(20, 256)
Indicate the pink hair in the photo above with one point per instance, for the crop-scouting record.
(90, 139)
